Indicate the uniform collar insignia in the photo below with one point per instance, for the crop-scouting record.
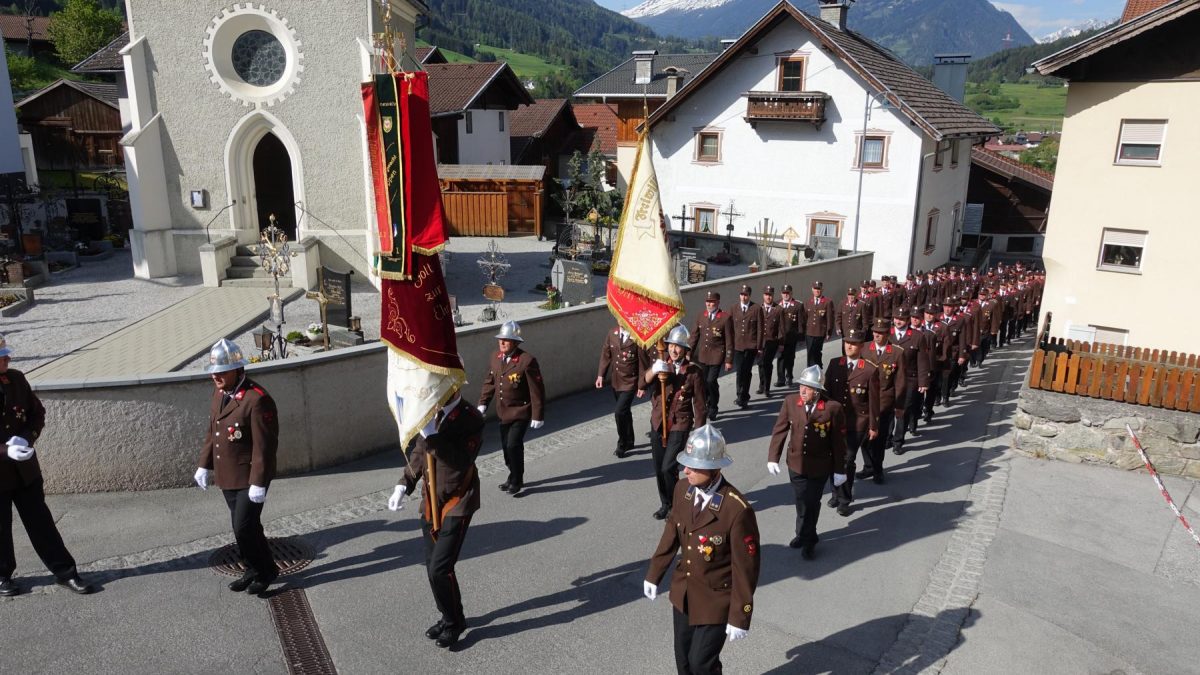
(715, 502)
(691, 493)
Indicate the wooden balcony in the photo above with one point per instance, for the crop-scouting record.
(788, 106)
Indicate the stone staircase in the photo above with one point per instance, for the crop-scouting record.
(245, 271)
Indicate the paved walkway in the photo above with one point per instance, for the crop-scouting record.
(969, 560)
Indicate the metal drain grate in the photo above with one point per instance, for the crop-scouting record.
(304, 649)
(291, 554)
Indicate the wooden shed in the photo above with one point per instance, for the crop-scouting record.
(74, 125)
(492, 200)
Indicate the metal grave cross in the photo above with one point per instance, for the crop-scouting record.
(319, 296)
(683, 218)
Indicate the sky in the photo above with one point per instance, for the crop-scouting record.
(1037, 17)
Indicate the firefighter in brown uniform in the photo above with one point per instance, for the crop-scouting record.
(908, 336)
(813, 430)
(792, 321)
(888, 360)
(955, 348)
(986, 306)
(624, 362)
(449, 445)
(713, 530)
(22, 419)
(240, 446)
(770, 339)
(712, 348)
(852, 314)
(819, 317)
(746, 318)
(514, 379)
(935, 336)
(684, 393)
(852, 381)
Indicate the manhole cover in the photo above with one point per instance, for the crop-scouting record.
(291, 555)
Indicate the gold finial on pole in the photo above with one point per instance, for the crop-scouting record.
(386, 41)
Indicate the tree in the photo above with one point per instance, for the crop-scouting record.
(1044, 156)
(81, 28)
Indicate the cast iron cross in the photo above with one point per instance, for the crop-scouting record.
(683, 218)
(319, 296)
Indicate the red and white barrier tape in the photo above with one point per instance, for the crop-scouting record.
(1161, 488)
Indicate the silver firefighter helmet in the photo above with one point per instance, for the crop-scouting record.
(679, 335)
(705, 449)
(811, 377)
(224, 356)
(511, 330)
(5, 350)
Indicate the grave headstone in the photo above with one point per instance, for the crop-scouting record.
(826, 247)
(573, 280)
(697, 271)
(86, 216)
(336, 288)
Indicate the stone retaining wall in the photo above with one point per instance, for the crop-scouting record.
(1079, 429)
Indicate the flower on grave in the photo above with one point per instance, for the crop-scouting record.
(314, 328)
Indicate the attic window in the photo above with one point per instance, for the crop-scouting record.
(641, 73)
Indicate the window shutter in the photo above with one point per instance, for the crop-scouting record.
(1143, 132)
(1124, 238)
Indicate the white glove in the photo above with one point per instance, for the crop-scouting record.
(660, 366)
(20, 453)
(17, 440)
(258, 494)
(838, 479)
(537, 424)
(481, 408)
(201, 478)
(396, 501)
(735, 633)
(650, 590)
(773, 468)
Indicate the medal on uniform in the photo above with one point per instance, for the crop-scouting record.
(717, 540)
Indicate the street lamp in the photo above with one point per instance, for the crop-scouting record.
(862, 159)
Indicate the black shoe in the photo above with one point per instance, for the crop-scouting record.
(843, 510)
(449, 636)
(76, 585)
(504, 487)
(899, 450)
(780, 383)
(743, 404)
(436, 629)
(809, 551)
(240, 585)
(712, 416)
(795, 542)
(258, 586)
(864, 474)
(8, 587)
(832, 503)
(766, 393)
(928, 418)
(878, 480)
(789, 383)
(759, 390)
(913, 431)
(661, 513)
(619, 453)
(515, 489)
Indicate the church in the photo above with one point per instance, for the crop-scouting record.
(239, 112)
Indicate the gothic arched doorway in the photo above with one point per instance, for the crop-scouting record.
(273, 191)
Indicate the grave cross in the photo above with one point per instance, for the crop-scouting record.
(319, 296)
(729, 227)
(683, 218)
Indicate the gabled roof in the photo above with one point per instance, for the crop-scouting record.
(107, 59)
(1119, 33)
(1136, 8)
(528, 123)
(618, 82)
(930, 108)
(430, 54)
(104, 92)
(16, 28)
(1011, 168)
(454, 87)
(601, 120)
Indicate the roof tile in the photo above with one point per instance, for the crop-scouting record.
(619, 80)
(105, 59)
(15, 28)
(1136, 8)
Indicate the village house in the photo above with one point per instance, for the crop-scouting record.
(1123, 212)
(74, 125)
(818, 130)
(1007, 207)
(470, 104)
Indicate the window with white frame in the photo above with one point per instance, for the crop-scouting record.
(468, 122)
(1121, 250)
(1141, 142)
(708, 146)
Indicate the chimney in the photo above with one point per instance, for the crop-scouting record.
(950, 74)
(727, 43)
(833, 12)
(643, 66)
(674, 79)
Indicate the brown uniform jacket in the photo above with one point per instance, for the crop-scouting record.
(685, 398)
(516, 385)
(954, 341)
(747, 326)
(712, 340)
(819, 317)
(852, 316)
(817, 443)
(623, 361)
(719, 559)
(987, 317)
(889, 363)
(917, 356)
(857, 390)
(454, 448)
(913, 295)
(21, 414)
(772, 324)
(792, 321)
(242, 438)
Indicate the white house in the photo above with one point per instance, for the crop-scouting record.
(775, 125)
(470, 104)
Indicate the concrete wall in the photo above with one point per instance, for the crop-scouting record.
(486, 144)
(1092, 192)
(146, 433)
(1086, 430)
(942, 189)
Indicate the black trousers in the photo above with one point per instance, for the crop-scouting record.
(844, 494)
(934, 390)
(808, 489)
(766, 367)
(787, 360)
(946, 381)
(512, 441)
(1005, 335)
(712, 387)
(697, 648)
(30, 501)
(875, 450)
(985, 346)
(246, 517)
(666, 470)
(912, 413)
(815, 346)
(624, 418)
(743, 365)
(441, 555)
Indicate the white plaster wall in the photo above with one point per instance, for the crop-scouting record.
(10, 146)
(787, 170)
(486, 144)
(941, 189)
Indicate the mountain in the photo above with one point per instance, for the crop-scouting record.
(1009, 65)
(914, 29)
(1074, 31)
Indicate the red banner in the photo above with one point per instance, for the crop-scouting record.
(416, 318)
(643, 316)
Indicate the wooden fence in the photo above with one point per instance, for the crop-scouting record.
(1150, 377)
(476, 214)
